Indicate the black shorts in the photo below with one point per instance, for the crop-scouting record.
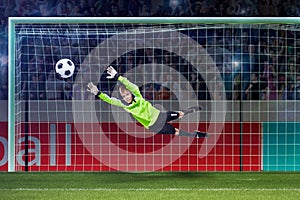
(162, 126)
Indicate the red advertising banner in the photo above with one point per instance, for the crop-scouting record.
(62, 147)
(3, 146)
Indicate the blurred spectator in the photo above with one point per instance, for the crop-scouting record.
(291, 70)
(115, 11)
(180, 10)
(130, 61)
(193, 80)
(253, 90)
(289, 92)
(46, 7)
(3, 82)
(92, 12)
(99, 6)
(264, 88)
(134, 6)
(63, 8)
(11, 10)
(198, 12)
(163, 93)
(148, 91)
(243, 8)
(159, 11)
(77, 12)
(228, 75)
(220, 10)
(30, 11)
(237, 90)
(148, 56)
(269, 74)
(274, 8)
(253, 58)
(145, 11)
(83, 6)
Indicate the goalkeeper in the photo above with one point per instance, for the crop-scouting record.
(142, 110)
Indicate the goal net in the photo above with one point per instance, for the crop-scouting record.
(242, 72)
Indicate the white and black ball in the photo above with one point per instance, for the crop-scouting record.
(65, 68)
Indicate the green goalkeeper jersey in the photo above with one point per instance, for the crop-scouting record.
(141, 110)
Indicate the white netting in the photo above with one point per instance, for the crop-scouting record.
(175, 66)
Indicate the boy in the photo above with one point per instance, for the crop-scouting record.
(142, 110)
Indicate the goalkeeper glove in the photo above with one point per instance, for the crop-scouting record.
(92, 88)
(113, 74)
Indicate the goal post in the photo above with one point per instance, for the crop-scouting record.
(11, 102)
(56, 125)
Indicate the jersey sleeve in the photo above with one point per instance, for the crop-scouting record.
(110, 100)
(130, 86)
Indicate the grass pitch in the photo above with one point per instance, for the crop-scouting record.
(155, 185)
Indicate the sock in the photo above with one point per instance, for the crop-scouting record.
(192, 109)
(184, 133)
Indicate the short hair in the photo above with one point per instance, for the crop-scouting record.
(122, 88)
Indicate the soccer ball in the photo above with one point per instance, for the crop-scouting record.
(65, 68)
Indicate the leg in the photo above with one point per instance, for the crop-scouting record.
(196, 134)
(172, 115)
(184, 133)
(192, 109)
(167, 129)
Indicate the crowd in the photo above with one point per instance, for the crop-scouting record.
(138, 8)
(267, 61)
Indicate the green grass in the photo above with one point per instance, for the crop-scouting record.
(155, 185)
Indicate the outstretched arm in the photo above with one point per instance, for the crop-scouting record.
(100, 95)
(113, 74)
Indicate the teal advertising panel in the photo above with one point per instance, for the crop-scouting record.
(281, 146)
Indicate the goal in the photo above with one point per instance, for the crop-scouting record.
(237, 69)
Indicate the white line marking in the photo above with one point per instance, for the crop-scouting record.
(150, 189)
